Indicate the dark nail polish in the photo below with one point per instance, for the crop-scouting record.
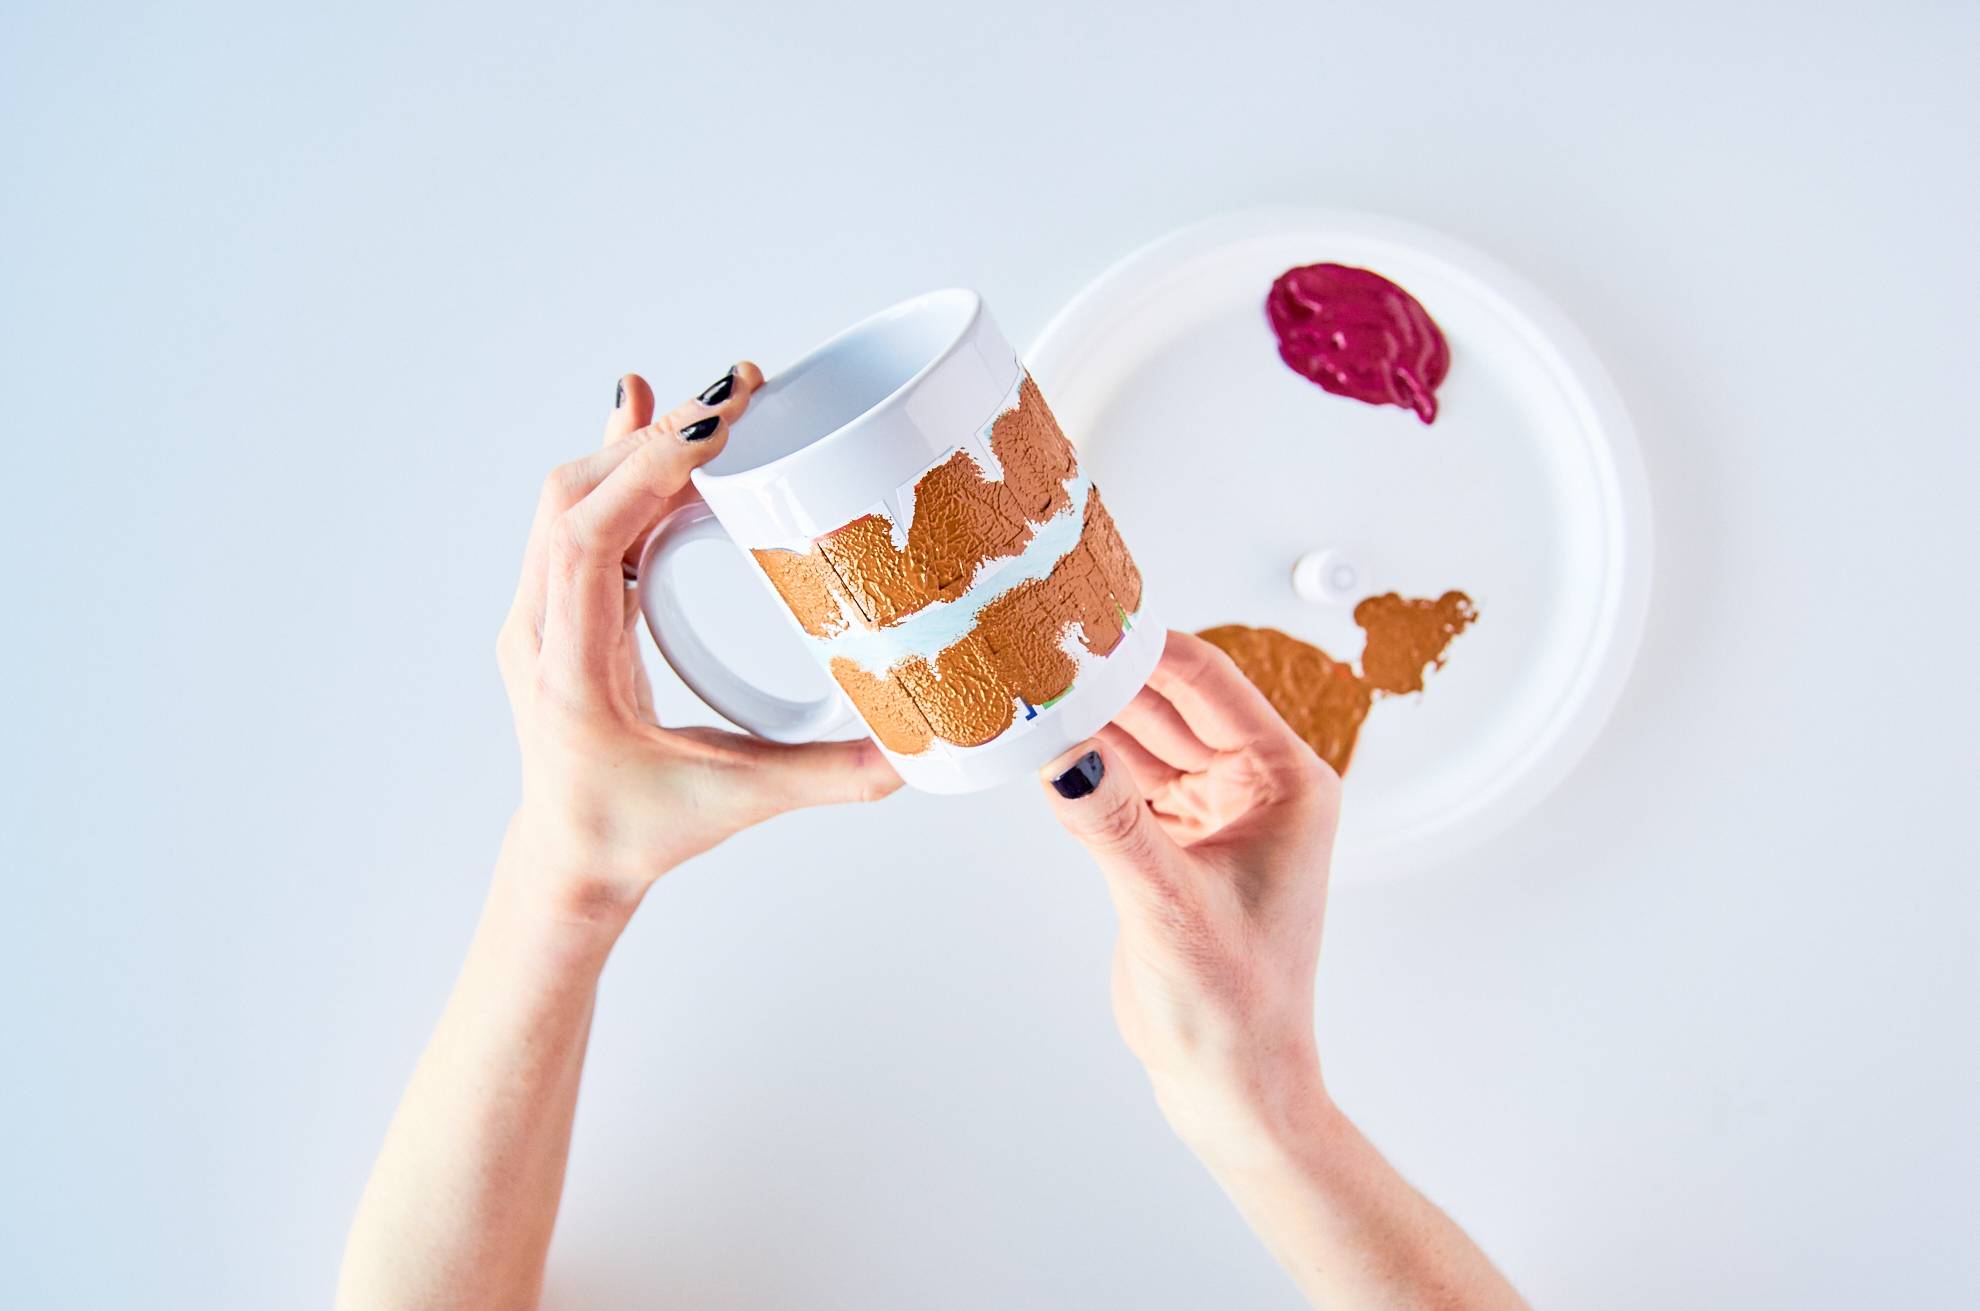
(619, 400)
(1082, 778)
(701, 429)
(719, 390)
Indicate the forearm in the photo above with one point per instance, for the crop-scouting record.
(1348, 1228)
(463, 1197)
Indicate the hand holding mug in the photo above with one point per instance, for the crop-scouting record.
(906, 494)
(611, 800)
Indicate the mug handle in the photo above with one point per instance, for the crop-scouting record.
(730, 695)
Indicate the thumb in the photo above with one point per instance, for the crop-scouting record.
(1094, 796)
(820, 773)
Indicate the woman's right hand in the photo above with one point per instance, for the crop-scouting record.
(1214, 827)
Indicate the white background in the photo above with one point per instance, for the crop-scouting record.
(298, 308)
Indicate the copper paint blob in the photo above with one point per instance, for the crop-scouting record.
(1325, 700)
(1322, 698)
(1407, 637)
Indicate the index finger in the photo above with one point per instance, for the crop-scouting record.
(584, 612)
(1214, 698)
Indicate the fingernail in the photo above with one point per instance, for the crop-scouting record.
(719, 390)
(701, 429)
(1082, 778)
(619, 400)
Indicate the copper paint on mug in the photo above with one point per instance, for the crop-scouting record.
(968, 693)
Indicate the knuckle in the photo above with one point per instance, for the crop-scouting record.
(1193, 662)
(1214, 661)
(1120, 827)
(1323, 792)
(514, 642)
(1172, 904)
(1190, 651)
(565, 485)
(657, 455)
(1256, 771)
(1287, 770)
(564, 718)
(648, 460)
(1303, 774)
(1317, 776)
(570, 540)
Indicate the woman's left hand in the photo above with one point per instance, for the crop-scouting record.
(611, 800)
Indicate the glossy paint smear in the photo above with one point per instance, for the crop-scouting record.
(1359, 335)
(1326, 700)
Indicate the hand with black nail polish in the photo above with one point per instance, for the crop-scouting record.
(585, 711)
(1081, 777)
(461, 1203)
(719, 390)
(1213, 825)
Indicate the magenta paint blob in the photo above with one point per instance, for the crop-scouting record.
(1359, 335)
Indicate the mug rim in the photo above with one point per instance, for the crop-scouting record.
(772, 469)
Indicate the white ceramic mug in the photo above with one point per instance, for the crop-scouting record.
(906, 494)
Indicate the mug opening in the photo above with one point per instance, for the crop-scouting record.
(852, 375)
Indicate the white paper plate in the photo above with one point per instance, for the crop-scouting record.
(1223, 467)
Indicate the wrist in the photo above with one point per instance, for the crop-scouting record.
(562, 885)
(1254, 1115)
(537, 950)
